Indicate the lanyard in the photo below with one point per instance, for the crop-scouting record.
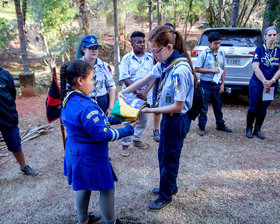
(268, 56)
(164, 77)
(215, 56)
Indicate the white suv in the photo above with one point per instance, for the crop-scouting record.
(239, 45)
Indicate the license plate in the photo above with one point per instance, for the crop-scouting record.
(233, 61)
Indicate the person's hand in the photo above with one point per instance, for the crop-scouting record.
(221, 88)
(215, 70)
(142, 95)
(120, 95)
(134, 123)
(108, 112)
(146, 110)
(267, 89)
(268, 83)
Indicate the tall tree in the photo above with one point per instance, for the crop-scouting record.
(220, 5)
(22, 38)
(116, 46)
(150, 15)
(159, 12)
(234, 13)
(24, 8)
(84, 17)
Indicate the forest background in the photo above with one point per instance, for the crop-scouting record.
(49, 31)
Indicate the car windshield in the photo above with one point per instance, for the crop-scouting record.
(236, 38)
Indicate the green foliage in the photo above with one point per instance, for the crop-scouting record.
(7, 34)
(58, 21)
(273, 15)
(142, 10)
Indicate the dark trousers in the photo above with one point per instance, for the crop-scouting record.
(173, 130)
(211, 91)
(256, 104)
(103, 102)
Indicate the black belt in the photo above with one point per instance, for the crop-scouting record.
(210, 82)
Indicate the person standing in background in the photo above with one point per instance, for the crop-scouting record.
(9, 121)
(264, 80)
(105, 87)
(210, 63)
(135, 65)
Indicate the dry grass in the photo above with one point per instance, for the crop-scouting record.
(223, 178)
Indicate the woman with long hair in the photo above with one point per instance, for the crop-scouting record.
(174, 98)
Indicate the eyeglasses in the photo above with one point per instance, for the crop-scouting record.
(270, 35)
(156, 52)
(94, 48)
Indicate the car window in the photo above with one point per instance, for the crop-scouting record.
(236, 38)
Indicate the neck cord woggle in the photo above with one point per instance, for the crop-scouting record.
(268, 56)
(215, 53)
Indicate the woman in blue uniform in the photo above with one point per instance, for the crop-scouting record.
(105, 87)
(86, 161)
(264, 80)
(174, 99)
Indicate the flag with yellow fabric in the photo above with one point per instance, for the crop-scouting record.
(128, 109)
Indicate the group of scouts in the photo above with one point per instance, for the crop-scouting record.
(167, 69)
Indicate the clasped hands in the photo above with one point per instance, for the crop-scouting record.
(267, 84)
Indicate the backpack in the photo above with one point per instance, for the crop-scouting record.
(198, 101)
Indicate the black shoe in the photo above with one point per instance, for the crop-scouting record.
(259, 134)
(159, 204)
(93, 218)
(156, 191)
(156, 135)
(118, 221)
(224, 128)
(249, 133)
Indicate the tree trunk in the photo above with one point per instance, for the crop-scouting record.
(24, 8)
(116, 46)
(159, 12)
(255, 4)
(22, 38)
(220, 6)
(243, 12)
(84, 17)
(150, 15)
(234, 13)
(266, 21)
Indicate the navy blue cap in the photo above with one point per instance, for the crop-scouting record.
(89, 41)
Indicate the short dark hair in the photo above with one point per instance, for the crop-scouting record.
(169, 24)
(137, 34)
(213, 36)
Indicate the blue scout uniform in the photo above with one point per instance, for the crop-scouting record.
(86, 161)
(177, 85)
(269, 64)
(104, 83)
(208, 59)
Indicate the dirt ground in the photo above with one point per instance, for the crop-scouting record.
(223, 178)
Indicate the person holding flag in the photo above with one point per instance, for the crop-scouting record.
(174, 99)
